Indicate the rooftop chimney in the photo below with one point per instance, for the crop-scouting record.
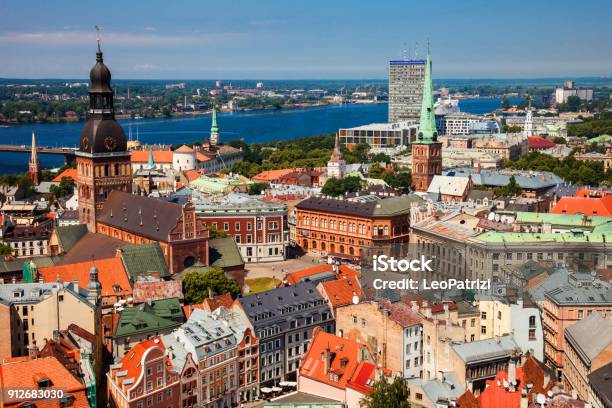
(512, 374)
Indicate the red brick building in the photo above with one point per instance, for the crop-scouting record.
(258, 227)
(344, 226)
(182, 236)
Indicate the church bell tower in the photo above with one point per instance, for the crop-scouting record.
(426, 150)
(103, 161)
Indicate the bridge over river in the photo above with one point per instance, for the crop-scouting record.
(69, 153)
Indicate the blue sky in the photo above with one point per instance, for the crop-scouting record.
(297, 39)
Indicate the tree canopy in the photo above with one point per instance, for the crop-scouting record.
(336, 187)
(196, 285)
(387, 394)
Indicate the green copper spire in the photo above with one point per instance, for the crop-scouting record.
(214, 130)
(427, 124)
(151, 162)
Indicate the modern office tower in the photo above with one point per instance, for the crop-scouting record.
(406, 78)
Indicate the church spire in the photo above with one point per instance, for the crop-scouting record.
(214, 130)
(151, 163)
(427, 122)
(34, 165)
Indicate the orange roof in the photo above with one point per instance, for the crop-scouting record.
(296, 277)
(584, 205)
(210, 304)
(192, 175)
(587, 192)
(159, 156)
(69, 173)
(496, 396)
(271, 175)
(343, 355)
(26, 373)
(467, 400)
(202, 157)
(340, 292)
(131, 363)
(184, 149)
(111, 273)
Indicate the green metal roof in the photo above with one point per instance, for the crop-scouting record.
(144, 259)
(601, 139)
(396, 205)
(149, 317)
(600, 234)
(69, 235)
(224, 253)
(570, 220)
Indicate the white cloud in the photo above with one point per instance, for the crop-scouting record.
(150, 38)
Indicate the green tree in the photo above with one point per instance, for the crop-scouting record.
(216, 233)
(376, 171)
(196, 285)
(560, 140)
(387, 395)
(5, 249)
(65, 188)
(335, 187)
(257, 188)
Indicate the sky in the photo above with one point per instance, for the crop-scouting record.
(305, 39)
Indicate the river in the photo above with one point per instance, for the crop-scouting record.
(253, 126)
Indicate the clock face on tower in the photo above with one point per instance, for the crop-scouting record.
(110, 143)
(85, 143)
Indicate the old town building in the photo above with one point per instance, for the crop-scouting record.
(577, 298)
(103, 162)
(283, 320)
(259, 227)
(344, 226)
(182, 236)
(31, 312)
(588, 347)
(145, 377)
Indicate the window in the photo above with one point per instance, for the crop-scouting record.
(483, 315)
(363, 323)
(532, 334)
(483, 329)
(226, 226)
(237, 226)
(580, 314)
(532, 321)
(249, 226)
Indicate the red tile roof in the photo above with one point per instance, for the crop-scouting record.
(344, 356)
(271, 175)
(582, 205)
(215, 302)
(294, 278)
(111, 275)
(159, 156)
(192, 175)
(131, 363)
(144, 291)
(587, 192)
(25, 373)
(467, 400)
(402, 313)
(69, 173)
(538, 142)
(340, 292)
(496, 396)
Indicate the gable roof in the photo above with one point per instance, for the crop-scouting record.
(144, 260)
(344, 357)
(92, 246)
(159, 156)
(69, 173)
(271, 175)
(69, 235)
(340, 292)
(25, 374)
(601, 381)
(143, 216)
(156, 290)
(184, 149)
(590, 336)
(111, 274)
(149, 317)
(584, 205)
(538, 142)
(448, 185)
(319, 272)
(130, 365)
(224, 253)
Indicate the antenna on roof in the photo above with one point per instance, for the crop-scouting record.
(98, 36)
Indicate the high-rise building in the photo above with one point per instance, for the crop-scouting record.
(405, 89)
(426, 150)
(103, 162)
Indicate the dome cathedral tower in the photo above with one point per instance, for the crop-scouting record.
(103, 162)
